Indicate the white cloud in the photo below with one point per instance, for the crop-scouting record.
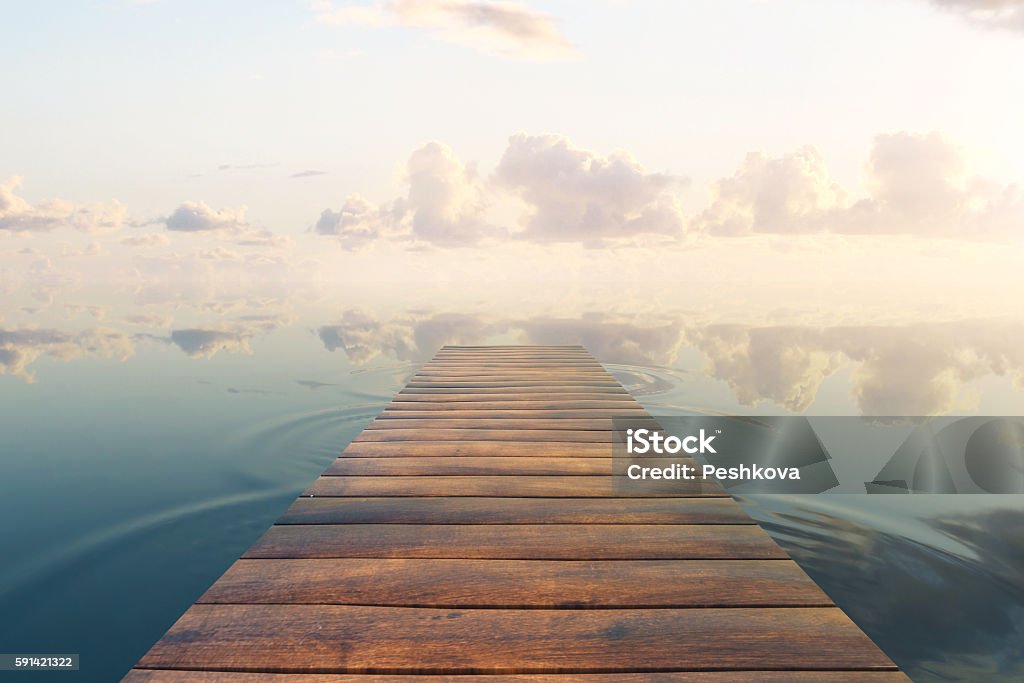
(199, 217)
(358, 222)
(17, 215)
(576, 195)
(21, 347)
(790, 194)
(917, 185)
(446, 198)
(1005, 14)
(510, 29)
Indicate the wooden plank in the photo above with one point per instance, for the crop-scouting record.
(476, 530)
(498, 375)
(525, 402)
(518, 542)
(519, 584)
(492, 414)
(561, 389)
(510, 383)
(468, 510)
(158, 676)
(513, 423)
(554, 397)
(546, 436)
(476, 449)
(577, 486)
(384, 640)
(538, 466)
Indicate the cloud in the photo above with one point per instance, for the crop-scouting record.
(509, 29)
(200, 343)
(232, 337)
(358, 222)
(790, 194)
(150, 239)
(570, 195)
(445, 205)
(917, 369)
(446, 198)
(917, 185)
(1000, 14)
(17, 215)
(416, 338)
(199, 217)
(21, 347)
(575, 195)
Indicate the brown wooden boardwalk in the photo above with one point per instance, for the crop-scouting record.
(471, 532)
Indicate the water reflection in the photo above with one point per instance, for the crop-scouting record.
(201, 417)
(935, 581)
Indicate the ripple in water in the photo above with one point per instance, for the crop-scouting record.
(936, 581)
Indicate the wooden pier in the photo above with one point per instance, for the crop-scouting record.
(472, 532)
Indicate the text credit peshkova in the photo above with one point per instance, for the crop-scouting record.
(645, 441)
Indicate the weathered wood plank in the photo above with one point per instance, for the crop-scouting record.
(492, 414)
(511, 423)
(561, 389)
(419, 402)
(476, 528)
(519, 584)
(158, 676)
(467, 448)
(518, 542)
(440, 466)
(546, 436)
(576, 486)
(555, 397)
(408, 640)
(468, 510)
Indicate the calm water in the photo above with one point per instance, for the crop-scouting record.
(148, 441)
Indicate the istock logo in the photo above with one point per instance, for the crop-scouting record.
(643, 441)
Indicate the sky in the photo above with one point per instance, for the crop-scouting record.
(466, 138)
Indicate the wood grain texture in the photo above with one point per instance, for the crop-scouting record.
(325, 638)
(560, 389)
(515, 511)
(476, 531)
(158, 676)
(578, 486)
(513, 467)
(476, 449)
(546, 436)
(518, 584)
(508, 423)
(449, 413)
(517, 403)
(517, 542)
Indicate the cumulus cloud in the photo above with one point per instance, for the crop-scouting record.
(199, 217)
(19, 348)
(793, 193)
(917, 185)
(17, 215)
(510, 29)
(576, 195)
(918, 369)
(414, 338)
(200, 343)
(446, 198)
(570, 195)
(358, 222)
(445, 205)
(1004, 14)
